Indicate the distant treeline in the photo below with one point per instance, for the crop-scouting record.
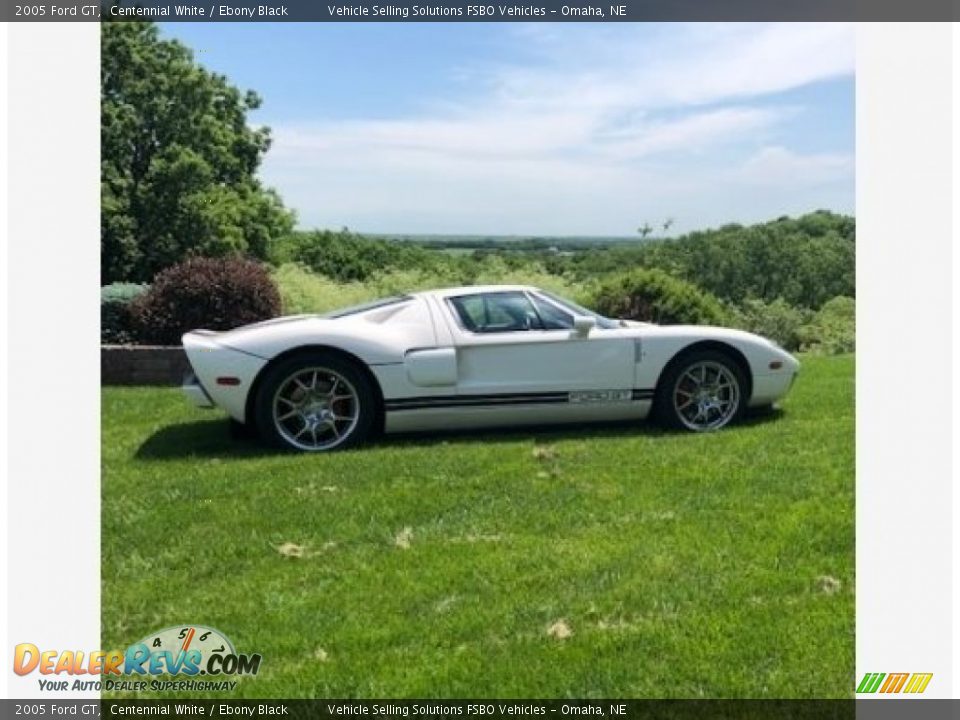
(510, 242)
(804, 261)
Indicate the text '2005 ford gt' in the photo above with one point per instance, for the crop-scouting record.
(475, 357)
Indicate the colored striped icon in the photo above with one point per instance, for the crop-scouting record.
(918, 682)
(894, 683)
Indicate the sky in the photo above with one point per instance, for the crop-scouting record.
(545, 128)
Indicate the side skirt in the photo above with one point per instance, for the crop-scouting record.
(507, 409)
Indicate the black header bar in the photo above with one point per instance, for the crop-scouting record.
(446, 11)
(487, 709)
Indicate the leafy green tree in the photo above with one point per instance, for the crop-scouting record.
(178, 159)
(805, 261)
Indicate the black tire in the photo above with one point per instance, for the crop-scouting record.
(671, 391)
(275, 392)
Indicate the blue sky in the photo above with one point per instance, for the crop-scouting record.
(545, 128)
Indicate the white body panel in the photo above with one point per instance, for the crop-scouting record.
(544, 360)
(492, 416)
(434, 372)
(211, 361)
(659, 344)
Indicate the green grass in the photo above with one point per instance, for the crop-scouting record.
(685, 565)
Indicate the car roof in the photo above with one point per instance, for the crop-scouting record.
(474, 290)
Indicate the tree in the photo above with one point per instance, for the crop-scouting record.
(805, 261)
(644, 230)
(178, 159)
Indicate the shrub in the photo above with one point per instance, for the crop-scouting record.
(833, 329)
(778, 320)
(347, 257)
(304, 291)
(212, 293)
(496, 271)
(654, 296)
(116, 323)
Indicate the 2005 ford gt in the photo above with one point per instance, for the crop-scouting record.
(475, 357)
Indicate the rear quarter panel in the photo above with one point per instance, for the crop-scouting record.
(376, 337)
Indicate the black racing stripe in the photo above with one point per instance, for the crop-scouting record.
(429, 401)
(449, 401)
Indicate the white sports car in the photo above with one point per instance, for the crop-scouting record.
(475, 357)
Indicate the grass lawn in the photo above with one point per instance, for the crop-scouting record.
(596, 562)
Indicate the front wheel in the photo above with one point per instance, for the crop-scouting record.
(703, 391)
(315, 402)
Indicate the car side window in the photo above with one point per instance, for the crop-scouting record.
(496, 312)
(552, 317)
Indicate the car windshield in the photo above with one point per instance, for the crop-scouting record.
(373, 305)
(602, 322)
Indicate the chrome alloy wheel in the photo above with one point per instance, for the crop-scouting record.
(315, 408)
(706, 396)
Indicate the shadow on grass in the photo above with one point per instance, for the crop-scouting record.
(205, 438)
(219, 439)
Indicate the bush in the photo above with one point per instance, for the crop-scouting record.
(305, 291)
(347, 257)
(494, 270)
(778, 320)
(116, 323)
(833, 329)
(212, 293)
(654, 296)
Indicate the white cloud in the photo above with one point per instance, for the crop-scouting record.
(778, 166)
(690, 133)
(680, 65)
(603, 129)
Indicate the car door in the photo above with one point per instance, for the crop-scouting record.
(516, 343)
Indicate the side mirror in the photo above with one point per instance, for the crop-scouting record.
(583, 324)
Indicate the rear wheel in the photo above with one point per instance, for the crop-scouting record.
(702, 391)
(315, 402)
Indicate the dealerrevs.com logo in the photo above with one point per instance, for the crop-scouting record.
(181, 655)
(891, 683)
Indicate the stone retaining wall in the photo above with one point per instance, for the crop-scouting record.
(142, 365)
